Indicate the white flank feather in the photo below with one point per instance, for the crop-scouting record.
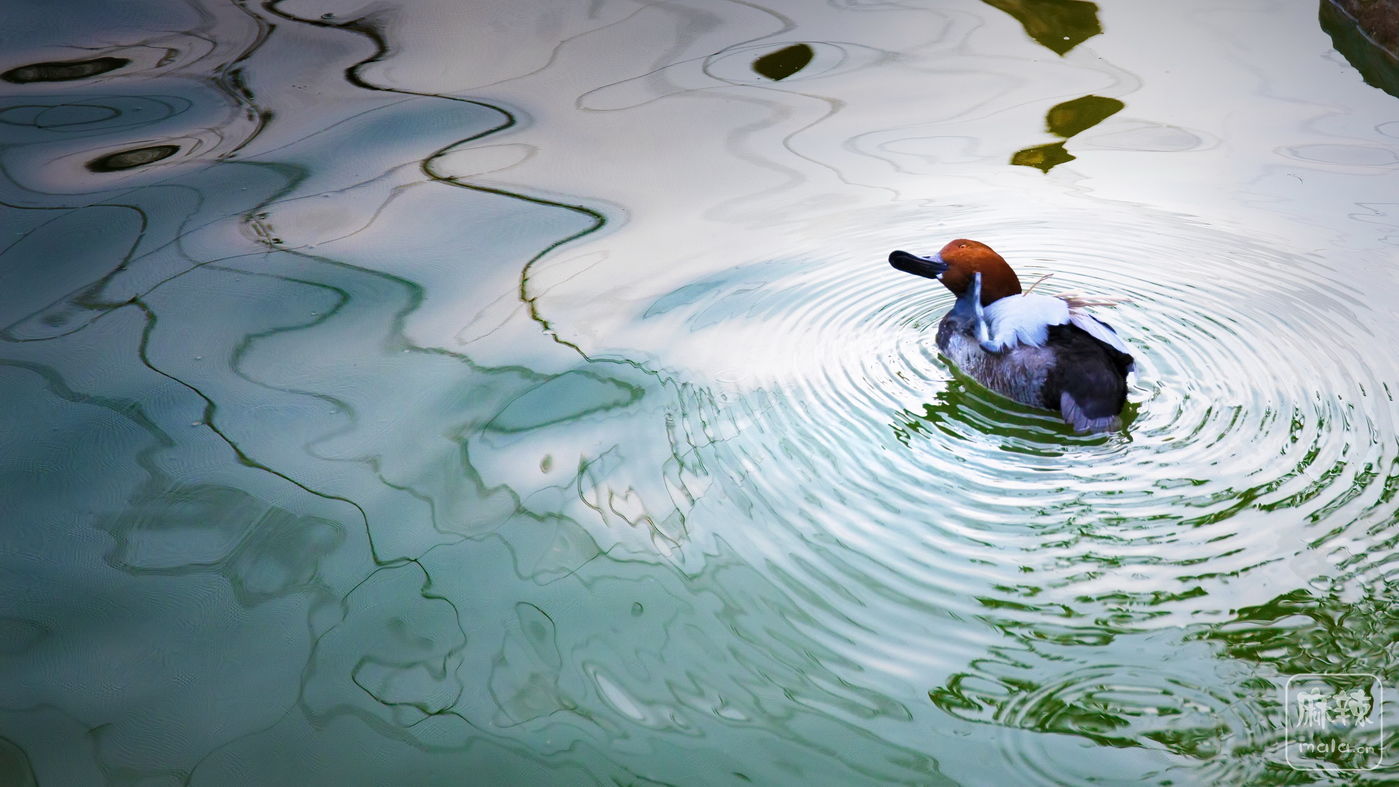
(1024, 319)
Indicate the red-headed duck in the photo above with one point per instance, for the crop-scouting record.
(1039, 350)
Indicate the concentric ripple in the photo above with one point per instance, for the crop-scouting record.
(1137, 710)
(1252, 436)
(862, 461)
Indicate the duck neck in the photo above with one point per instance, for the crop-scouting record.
(969, 312)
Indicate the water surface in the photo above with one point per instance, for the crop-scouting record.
(412, 394)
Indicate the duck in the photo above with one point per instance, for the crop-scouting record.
(1041, 350)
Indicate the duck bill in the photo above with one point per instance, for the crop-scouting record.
(931, 267)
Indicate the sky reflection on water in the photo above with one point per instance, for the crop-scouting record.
(406, 395)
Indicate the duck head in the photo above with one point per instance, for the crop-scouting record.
(957, 265)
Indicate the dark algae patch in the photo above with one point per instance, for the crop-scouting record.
(785, 62)
(1042, 157)
(130, 159)
(1366, 33)
(1066, 120)
(1081, 114)
(63, 70)
(1059, 25)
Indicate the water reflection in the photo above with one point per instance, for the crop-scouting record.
(63, 71)
(1081, 114)
(127, 159)
(1059, 25)
(14, 765)
(1066, 120)
(1042, 157)
(1368, 35)
(785, 62)
(540, 412)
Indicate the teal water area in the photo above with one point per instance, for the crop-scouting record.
(517, 393)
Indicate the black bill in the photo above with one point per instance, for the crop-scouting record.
(932, 267)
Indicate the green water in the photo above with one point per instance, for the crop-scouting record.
(516, 393)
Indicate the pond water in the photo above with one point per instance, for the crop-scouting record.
(517, 393)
